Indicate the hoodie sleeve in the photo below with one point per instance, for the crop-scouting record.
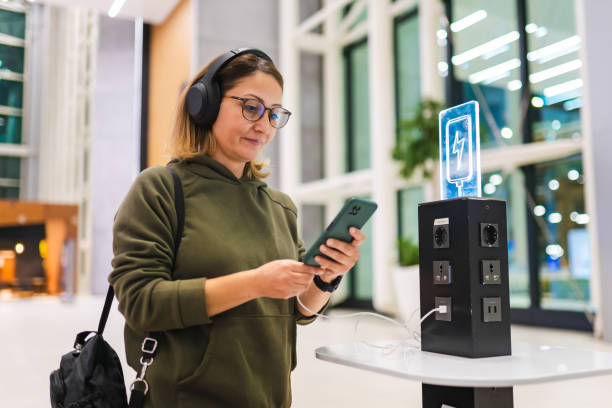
(143, 246)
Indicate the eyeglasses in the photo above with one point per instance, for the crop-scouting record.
(253, 110)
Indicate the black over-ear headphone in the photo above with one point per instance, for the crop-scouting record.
(204, 96)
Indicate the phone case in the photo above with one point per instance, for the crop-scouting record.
(355, 213)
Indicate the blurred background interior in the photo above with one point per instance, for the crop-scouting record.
(88, 90)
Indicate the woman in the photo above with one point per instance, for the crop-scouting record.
(225, 306)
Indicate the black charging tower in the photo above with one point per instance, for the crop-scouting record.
(463, 257)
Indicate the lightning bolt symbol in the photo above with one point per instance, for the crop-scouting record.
(458, 141)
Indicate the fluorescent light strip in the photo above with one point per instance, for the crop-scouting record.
(555, 71)
(115, 8)
(467, 21)
(562, 88)
(573, 104)
(485, 48)
(552, 49)
(495, 71)
(574, 93)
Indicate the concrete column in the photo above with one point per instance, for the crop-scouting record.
(429, 18)
(290, 67)
(593, 27)
(382, 133)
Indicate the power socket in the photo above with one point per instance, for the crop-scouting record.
(441, 238)
(491, 309)
(491, 272)
(444, 301)
(489, 235)
(442, 273)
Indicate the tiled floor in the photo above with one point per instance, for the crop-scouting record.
(35, 332)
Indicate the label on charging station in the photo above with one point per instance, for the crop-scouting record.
(460, 151)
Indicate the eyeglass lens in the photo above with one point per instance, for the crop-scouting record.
(253, 110)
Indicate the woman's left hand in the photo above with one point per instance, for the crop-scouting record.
(344, 255)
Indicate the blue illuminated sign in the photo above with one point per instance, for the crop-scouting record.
(460, 151)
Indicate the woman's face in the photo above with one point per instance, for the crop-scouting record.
(239, 140)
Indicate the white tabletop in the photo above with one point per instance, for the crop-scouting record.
(528, 364)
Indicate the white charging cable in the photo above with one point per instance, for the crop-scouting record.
(442, 309)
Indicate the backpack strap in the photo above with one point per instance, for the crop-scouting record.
(150, 343)
(179, 205)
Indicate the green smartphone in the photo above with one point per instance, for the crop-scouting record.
(355, 213)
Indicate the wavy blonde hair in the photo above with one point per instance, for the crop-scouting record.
(188, 140)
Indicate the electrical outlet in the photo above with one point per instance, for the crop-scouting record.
(441, 236)
(441, 273)
(444, 301)
(491, 272)
(491, 309)
(489, 235)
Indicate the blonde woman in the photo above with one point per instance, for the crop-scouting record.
(224, 308)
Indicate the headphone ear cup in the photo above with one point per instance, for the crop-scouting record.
(209, 115)
(197, 101)
(203, 103)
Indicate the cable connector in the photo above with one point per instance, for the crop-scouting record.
(442, 309)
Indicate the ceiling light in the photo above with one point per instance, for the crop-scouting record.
(496, 179)
(573, 174)
(554, 50)
(573, 104)
(507, 133)
(442, 34)
(495, 71)
(555, 218)
(555, 71)
(555, 251)
(514, 85)
(553, 185)
(489, 188)
(582, 219)
(537, 102)
(555, 124)
(562, 88)
(467, 21)
(531, 28)
(539, 210)
(115, 8)
(485, 48)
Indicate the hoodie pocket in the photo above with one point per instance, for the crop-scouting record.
(247, 364)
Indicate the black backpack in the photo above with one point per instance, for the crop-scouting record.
(90, 376)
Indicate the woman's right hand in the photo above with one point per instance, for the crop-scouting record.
(285, 278)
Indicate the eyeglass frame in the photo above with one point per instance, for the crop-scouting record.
(244, 101)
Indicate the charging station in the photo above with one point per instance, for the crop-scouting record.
(464, 266)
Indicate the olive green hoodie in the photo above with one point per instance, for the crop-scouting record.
(241, 357)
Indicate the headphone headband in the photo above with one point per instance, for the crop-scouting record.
(204, 97)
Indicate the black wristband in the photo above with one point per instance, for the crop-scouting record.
(327, 287)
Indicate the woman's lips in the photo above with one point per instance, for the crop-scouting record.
(253, 141)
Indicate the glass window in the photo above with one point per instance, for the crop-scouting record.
(407, 68)
(313, 223)
(12, 23)
(10, 167)
(357, 107)
(487, 65)
(11, 58)
(10, 129)
(11, 94)
(362, 273)
(510, 187)
(408, 201)
(562, 240)
(554, 69)
(311, 117)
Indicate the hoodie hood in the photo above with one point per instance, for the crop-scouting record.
(209, 168)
